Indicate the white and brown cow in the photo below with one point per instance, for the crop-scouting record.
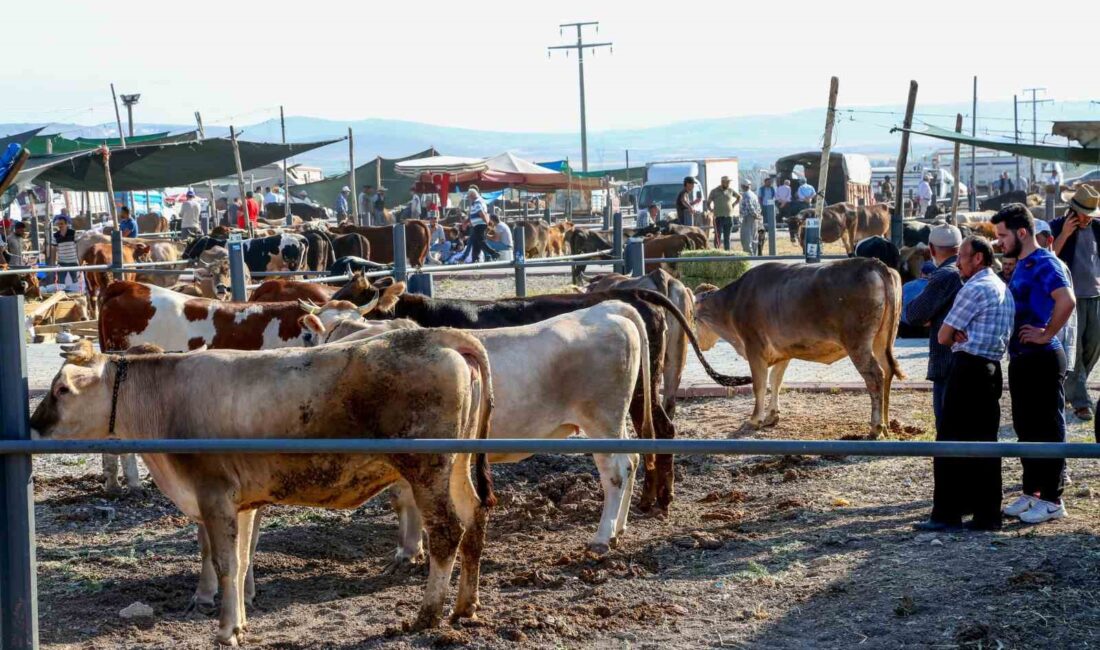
(407, 384)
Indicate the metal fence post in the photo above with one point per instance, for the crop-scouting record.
(635, 258)
(607, 215)
(18, 581)
(421, 283)
(617, 240)
(812, 229)
(116, 253)
(1051, 195)
(236, 271)
(519, 259)
(400, 259)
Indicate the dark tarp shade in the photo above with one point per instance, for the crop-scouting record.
(397, 186)
(156, 166)
(1078, 155)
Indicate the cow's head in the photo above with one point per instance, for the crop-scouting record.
(79, 402)
(292, 248)
(142, 252)
(384, 292)
(706, 312)
(13, 285)
(212, 273)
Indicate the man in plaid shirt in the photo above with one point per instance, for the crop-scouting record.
(977, 328)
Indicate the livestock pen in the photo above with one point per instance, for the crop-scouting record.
(706, 553)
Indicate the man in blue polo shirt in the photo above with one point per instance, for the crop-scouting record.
(1037, 363)
(126, 223)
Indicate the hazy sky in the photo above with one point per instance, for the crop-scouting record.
(484, 64)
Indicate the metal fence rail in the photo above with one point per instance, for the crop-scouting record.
(681, 447)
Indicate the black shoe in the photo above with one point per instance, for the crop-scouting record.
(977, 525)
(933, 526)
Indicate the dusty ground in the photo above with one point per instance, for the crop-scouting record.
(757, 552)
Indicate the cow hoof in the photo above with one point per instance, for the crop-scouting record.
(233, 639)
(403, 565)
(771, 420)
(599, 548)
(422, 622)
(197, 608)
(113, 489)
(469, 613)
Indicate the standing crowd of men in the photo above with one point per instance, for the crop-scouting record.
(1045, 313)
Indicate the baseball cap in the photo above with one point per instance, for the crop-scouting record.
(947, 236)
(1042, 226)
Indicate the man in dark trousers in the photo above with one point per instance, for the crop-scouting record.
(977, 328)
(932, 304)
(1077, 243)
(1037, 363)
(685, 203)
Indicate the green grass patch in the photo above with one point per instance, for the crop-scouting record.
(717, 273)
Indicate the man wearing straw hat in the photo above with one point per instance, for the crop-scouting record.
(722, 200)
(1077, 243)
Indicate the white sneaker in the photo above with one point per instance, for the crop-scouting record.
(1043, 511)
(1021, 505)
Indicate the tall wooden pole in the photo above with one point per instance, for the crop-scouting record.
(953, 218)
(355, 216)
(240, 181)
(972, 197)
(826, 149)
(105, 151)
(896, 223)
(1016, 138)
(213, 207)
(118, 117)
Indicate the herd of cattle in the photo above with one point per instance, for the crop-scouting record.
(366, 359)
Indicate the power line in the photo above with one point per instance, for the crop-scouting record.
(580, 47)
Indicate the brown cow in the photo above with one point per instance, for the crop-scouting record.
(665, 246)
(536, 237)
(380, 239)
(160, 252)
(413, 383)
(152, 222)
(555, 238)
(849, 223)
(96, 281)
(776, 312)
(280, 290)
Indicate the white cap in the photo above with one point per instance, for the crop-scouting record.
(345, 189)
(947, 236)
(1042, 226)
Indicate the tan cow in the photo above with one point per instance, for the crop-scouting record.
(849, 223)
(676, 343)
(814, 312)
(406, 384)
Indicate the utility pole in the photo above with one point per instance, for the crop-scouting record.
(1016, 136)
(211, 209)
(286, 174)
(580, 47)
(128, 101)
(1035, 121)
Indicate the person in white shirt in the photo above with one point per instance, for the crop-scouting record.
(190, 223)
(414, 206)
(923, 198)
(500, 238)
(783, 195)
(272, 196)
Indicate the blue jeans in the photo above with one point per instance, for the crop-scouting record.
(496, 245)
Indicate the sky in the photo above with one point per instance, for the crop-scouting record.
(485, 65)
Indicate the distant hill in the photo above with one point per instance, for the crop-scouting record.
(755, 139)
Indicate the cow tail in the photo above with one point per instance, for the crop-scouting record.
(647, 393)
(891, 283)
(472, 350)
(655, 298)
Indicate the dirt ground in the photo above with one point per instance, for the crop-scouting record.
(790, 552)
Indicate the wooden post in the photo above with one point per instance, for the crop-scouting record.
(813, 226)
(355, 216)
(106, 153)
(118, 120)
(286, 174)
(240, 181)
(896, 223)
(953, 218)
(569, 191)
(213, 207)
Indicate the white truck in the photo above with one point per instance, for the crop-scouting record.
(664, 181)
(942, 182)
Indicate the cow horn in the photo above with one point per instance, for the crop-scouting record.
(369, 307)
(308, 306)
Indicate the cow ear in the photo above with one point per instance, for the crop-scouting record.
(82, 353)
(389, 297)
(312, 323)
(144, 348)
(382, 283)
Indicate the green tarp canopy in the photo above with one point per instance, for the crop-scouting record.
(397, 186)
(150, 167)
(1077, 155)
(620, 174)
(41, 145)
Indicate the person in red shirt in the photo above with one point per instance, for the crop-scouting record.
(253, 209)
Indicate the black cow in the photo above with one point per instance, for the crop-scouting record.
(467, 314)
(351, 245)
(319, 256)
(585, 241)
(307, 211)
(200, 245)
(881, 249)
(349, 264)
